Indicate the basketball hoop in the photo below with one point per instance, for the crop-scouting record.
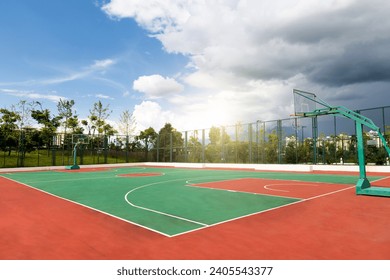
(77, 140)
(305, 105)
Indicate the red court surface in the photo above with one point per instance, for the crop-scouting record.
(294, 189)
(341, 225)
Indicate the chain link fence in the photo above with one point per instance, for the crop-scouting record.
(322, 140)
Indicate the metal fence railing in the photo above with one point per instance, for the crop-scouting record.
(326, 140)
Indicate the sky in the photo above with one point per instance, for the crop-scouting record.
(194, 63)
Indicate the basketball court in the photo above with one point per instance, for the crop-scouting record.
(144, 212)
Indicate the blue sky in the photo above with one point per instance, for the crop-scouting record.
(73, 50)
(194, 63)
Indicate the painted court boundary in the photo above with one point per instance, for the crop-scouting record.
(260, 167)
(173, 216)
(83, 205)
(341, 226)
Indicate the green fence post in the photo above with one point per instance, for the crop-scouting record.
(315, 136)
(185, 146)
(279, 136)
(170, 147)
(250, 142)
(105, 148)
(203, 146)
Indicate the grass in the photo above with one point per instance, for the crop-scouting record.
(61, 157)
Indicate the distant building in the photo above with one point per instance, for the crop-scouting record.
(343, 141)
(374, 139)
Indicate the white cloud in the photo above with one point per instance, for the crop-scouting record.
(33, 95)
(97, 66)
(103, 96)
(102, 64)
(248, 55)
(156, 86)
(90, 70)
(150, 114)
(155, 15)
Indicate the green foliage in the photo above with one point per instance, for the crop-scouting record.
(271, 148)
(148, 137)
(20, 142)
(127, 123)
(69, 117)
(218, 148)
(49, 123)
(98, 116)
(170, 143)
(8, 127)
(65, 111)
(194, 148)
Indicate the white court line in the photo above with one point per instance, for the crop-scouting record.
(380, 179)
(80, 179)
(197, 185)
(267, 187)
(69, 179)
(155, 211)
(167, 214)
(111, 215)
(173, 216)
(89, 207)
(264, 211)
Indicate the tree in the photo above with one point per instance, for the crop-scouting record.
(74, 125)
(194, 148)
(24, 109)
(98, 116)
(239, 149)
(291, 152)
(87, 126)
(218, 140)
(272, 148)
(49, 123)
(8, 127)
(9, 119)
(127, 123)
(19, 115)
(169, 139)
(65, 112)
(148, 136)
(109, 130)
(214, 135)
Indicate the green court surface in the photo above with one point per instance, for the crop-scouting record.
(168, 201)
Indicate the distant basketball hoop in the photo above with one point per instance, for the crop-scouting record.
(77, 140)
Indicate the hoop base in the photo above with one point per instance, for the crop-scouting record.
(72, 167)
(375, 191)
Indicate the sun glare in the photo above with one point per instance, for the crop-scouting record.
(217, 116)
(209, 116)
